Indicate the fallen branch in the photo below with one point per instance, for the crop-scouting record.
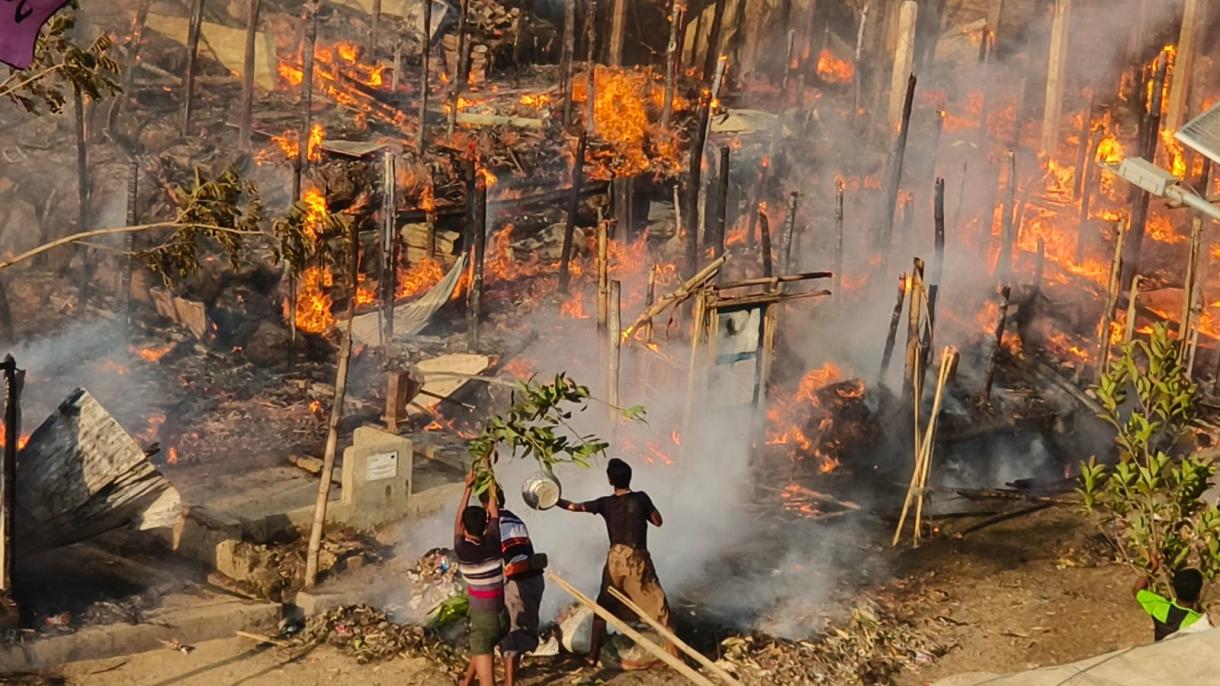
(1003, 517)
(83, 235)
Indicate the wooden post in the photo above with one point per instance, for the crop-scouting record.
(311, 38)
(614, 341)
(765, 227)
(994, 358)
(246, 122)
(621, 189)
(883, 234)
(375, 24)
(722, 203)
(194, 29)
(1190, 282)
(892, 336)
(1139, 213)
(789, 232)
(1132, 308)
(591, 64)
(389, 227)
(1003, 265)
(1112, 290)
(603, 277)
(1184, 67)
(85, 282)
(396, 72)
(1056, 69)
(677, 13)
(837, 283)
(694, 181)
(478, 252)
(650, 298)
(133, 58)
(336, 415)
(567, 59)
(133, 216)
(569, 227)
(858, 65)
(904, 56)
(424, 75)
(14, 379)
(915, 322)
(713, 41)
(459, 73)
(1086, 194)
(1083, 146)
(618, 17)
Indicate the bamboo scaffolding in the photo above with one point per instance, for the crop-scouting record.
(14, 380)
(678, 295)
(478, 253)
(85, 282)
(1086, 193)
(790, 231)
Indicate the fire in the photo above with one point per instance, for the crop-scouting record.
(520, 368)
(315, 211)
(537, 101)
(290, 147)
(623, 99)
(25, 438)
(833, 69)
(315, 406)
(420, 277)
(427, 199)
(489, 179)
(790, 418)
(574, 307)
(152, 354)
(313, 313)
(172, 457)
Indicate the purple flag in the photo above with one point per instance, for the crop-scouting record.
(20, 21)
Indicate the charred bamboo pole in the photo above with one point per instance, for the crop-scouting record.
(618, 20)
(459, 73)
(790, 231)
(837, 283)
(374, 26)
(1003, 265)
(421, 139)
(1190, 284)
(133, 218)
(713, 41)
(679, 294)
(569, 227)
(1139, 212)
(765, 229)
(307, 57)
(591, 64)
(915, 323)
(1056, 69)
(246, 122)
(1184, 66)
(938, 267)
(82, 197)
(614, 344)
(194, 29)
(336, 415)
(1086, 195)
(677, 13)
(567, 59)
(478, 252)
(396, 72)
(389, 227)
(904, 56)
(650, 299)
(722, 204)
(603, 276)
(994, 358)
(1112, 292)
(1083, 146)
(1132, 308)
(133, 58)
(885, 232)
(694, 183)
(857, 77)
(892, 336)
(14, 379)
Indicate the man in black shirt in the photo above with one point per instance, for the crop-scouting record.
(629, 568)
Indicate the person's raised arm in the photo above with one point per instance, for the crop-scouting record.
(654, 515)
(457, 520)
(592, 506)
(493, 501)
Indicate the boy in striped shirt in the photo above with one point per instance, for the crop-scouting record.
(476, 541)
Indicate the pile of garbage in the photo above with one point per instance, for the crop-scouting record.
(872, 648)
(368, 635)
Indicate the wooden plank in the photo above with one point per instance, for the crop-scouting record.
(443, 376)
(81, 475)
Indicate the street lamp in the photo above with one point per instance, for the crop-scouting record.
(1201, 134)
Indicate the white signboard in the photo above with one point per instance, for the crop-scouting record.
(381, 466)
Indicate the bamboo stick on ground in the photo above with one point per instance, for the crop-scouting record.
(1112, 291)
(678, 295)
(673, 638)
(994, 358)
(569, 227)
(892, 336)
(657, 651)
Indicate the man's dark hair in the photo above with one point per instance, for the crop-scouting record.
(1186, 584)
(474, 520)
(619, 473)
(486, 496)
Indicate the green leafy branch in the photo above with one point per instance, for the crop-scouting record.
(538, 425)
(1148, 504)
(304, 235)
(90, 69)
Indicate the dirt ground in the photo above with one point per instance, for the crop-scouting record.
(1031, 591)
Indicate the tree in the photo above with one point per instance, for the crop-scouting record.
(1148, 504)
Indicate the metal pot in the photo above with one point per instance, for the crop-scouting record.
(541, 491)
